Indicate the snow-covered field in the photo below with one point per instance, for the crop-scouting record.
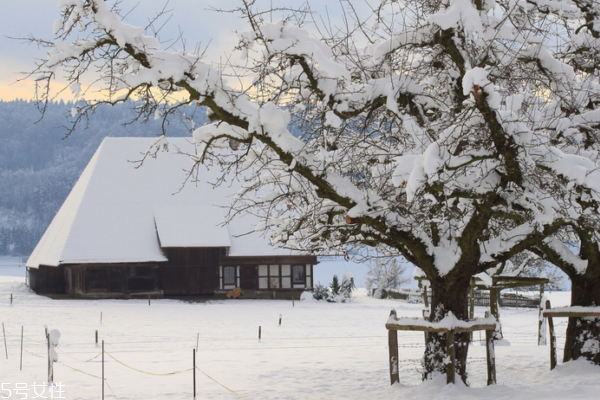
(320, 351)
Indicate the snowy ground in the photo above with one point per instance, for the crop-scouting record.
(321, 351)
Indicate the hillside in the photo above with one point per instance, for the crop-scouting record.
(39, 165)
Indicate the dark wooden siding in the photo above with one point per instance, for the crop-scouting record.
(118, 279)
(50, 280)
(191, 270)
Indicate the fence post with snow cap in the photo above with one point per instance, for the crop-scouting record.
(53, 337)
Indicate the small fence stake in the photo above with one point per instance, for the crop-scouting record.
(96, 336)
(194, 363)
(293, 301)
(393, 353)
(259, 333)
(21, 364)
(279, 319)
(148, 299)
(5, 348)
(102, 369)
(11, 298)
(50, 372)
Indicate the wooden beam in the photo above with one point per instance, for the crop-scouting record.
(457, 329)
(570, 314)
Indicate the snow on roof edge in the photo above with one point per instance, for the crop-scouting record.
(50, 253)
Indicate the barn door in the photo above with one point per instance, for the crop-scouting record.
(202, 280)
(249, 277)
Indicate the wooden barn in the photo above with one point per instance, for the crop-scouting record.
(134, 232)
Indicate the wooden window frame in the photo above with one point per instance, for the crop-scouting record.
(294, 281)
(225, 282)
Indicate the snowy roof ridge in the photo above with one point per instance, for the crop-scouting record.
(115, 213)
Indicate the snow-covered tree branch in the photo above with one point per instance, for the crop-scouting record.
(455, 133)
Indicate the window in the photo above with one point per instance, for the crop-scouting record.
(229, 276)
(298, 273)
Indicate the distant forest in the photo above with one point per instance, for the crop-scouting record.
(39, 165)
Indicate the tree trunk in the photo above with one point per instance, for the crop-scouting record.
(583, 334)
(448, 295)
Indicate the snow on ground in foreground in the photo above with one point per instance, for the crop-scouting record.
(321, 351)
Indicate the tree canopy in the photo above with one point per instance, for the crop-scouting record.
(454, 133)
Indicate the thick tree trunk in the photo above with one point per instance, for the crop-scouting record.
(448, 295)
(583, 334)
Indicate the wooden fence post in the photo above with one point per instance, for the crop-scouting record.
(541, 321)
(451, 355)
(494, 309)
(491, 357)
(425, 296)
(553, 357)
(393, 350)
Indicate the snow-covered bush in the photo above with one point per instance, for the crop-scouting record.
(385, 275)
(347, 286)
(321, 292)
(336, 292)
(335, 285)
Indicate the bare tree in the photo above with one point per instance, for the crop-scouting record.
(425, 129)
(385, 274)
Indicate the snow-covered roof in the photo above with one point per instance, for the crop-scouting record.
(117, 213)
(191, 226)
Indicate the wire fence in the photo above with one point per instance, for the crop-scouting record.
(119, 347)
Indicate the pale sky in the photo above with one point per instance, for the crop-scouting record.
(24, 18)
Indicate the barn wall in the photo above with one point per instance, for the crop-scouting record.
(47, 280)
(113, 280)
(191, 270)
